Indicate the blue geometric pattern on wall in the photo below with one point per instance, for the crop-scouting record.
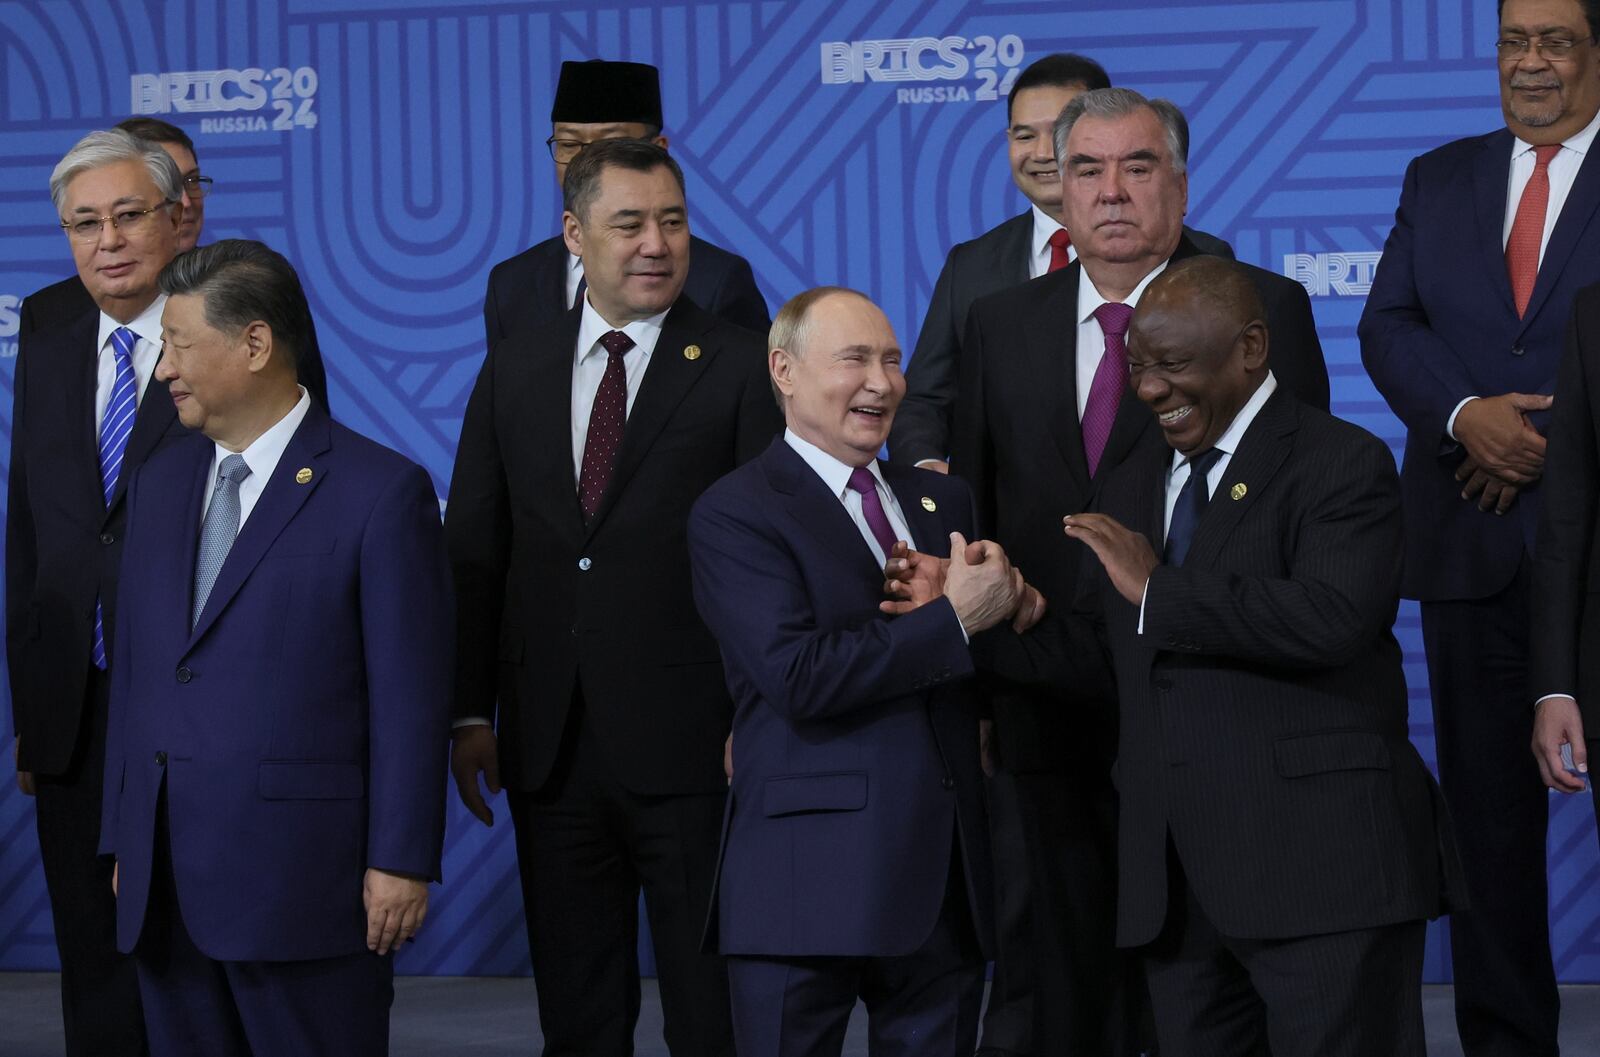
(393, 150)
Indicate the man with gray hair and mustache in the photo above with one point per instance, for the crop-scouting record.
(87, 413)
(1042, 415)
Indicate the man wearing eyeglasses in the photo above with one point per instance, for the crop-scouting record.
(86, 414)
(599, 100)
(1461, 334)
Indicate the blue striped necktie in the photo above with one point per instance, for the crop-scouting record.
(115, 428)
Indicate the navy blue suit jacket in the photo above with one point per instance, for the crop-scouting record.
(300, 727)
(1440, 325)
(856, 773)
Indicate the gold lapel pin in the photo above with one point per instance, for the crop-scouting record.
(691, 352)
(303, 476)
(929, 505)
(1238, 491)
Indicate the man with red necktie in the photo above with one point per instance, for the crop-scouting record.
(1462, 334)
(1041, 414)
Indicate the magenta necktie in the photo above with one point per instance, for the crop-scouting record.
(607, 417)
(1110, 382)
(862, 481)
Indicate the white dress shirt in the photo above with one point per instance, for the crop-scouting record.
(574, 275)
(590, 367)
(262, 456)
(1563, 172)
(1091, 339)
(1045, 226)
(146, 351)
(1227, 444)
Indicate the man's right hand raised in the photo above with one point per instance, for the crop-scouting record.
(985, 592)
(472, 751)
(1496, 433)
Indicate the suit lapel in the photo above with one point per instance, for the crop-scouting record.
(1262, 451)
(1050, 343)
(810, 503)
(553, 278)
(80, 352)
(1015, 248)
(667, 379)
(280, 501)
(1573, 222)
(1491, 173)
(543, 381)
(928, 532)
(180, 582)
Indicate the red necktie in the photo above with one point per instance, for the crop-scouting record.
(1058, 250)
(1110, 381)
(607, 416)
(1527, 230)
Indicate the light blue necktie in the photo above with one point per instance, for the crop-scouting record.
(216, 535)
(115, 428)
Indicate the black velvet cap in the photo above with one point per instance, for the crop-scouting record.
(598, 92)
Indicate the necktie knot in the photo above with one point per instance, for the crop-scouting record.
(862, 481)
(615, 342)
(1114, 317)
(1060, 240)
(122, 342)
(1059, 257)
(233, 469)
(1200, 465)
(1544, 154)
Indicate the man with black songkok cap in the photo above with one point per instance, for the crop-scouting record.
(598, 100)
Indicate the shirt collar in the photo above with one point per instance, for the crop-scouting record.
(146, 324)
(263, 453)
(834, 474)
(1044, 226)
(1578, 142)
(644, 332)
(1089, 298)
(1228, 443)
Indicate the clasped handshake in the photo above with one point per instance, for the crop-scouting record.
(981, 584)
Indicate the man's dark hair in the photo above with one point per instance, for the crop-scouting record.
(1061, 70)
(582, 183)
(1591, 13)
(242, 281)
(154, 130)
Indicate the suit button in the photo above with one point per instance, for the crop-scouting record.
(948, 782)
(107, 538)
(1163, 684)
(583, 564)
(184, 675)
(1517, 350)
(161, 758)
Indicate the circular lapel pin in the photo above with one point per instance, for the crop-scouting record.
(691, 352)
(1238, 491)
(303, 476)
(929, 505)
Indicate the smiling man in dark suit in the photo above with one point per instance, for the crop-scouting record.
(585, 442)
(597, 101)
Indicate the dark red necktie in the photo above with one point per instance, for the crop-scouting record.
(1110, 382)
(862, 481)
(1058, 250)
(1527, 230)
(607, 417)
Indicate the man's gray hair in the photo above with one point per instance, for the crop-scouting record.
(1111, 103)
(108, 147)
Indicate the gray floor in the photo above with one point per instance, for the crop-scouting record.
(440, 1016)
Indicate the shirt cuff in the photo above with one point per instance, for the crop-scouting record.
(470, 721)
(1547, 697)
(1143, 595)
(1450, 423)
(924, 462)
(964, 636)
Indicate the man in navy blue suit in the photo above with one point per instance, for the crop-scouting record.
(1461, 334)
(280, 688)
(855, 859)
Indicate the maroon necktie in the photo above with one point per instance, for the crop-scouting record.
(862, 481)
(1110, 382)
(1058, 250)
(1527, 230)
(607, 416)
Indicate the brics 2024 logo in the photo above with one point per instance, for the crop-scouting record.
(993, 62)
(1333, 274)
(288, 95)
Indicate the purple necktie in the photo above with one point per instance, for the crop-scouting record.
(862, 481)
(607, 417)
(1110, 382)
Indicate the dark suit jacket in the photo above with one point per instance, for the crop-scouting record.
(1440, 325)
(63, 542)
(856, 772)
(530, 289)
(1263, 709)
(994, 261)
(299, 728)
(547, 603)
(1565, 637)
(1018, 442)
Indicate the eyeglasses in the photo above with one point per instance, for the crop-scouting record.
(197, 186)
(564, 150)
(127, 221)
(1556, 49)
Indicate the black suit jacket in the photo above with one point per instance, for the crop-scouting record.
(63, 541)
(1566, 571)
(530, 289)
(547, 603)
(1018, 442)
(992, 262)
(1264, 707)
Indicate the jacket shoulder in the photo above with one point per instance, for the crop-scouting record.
(1047, 289)
(1449, 156)
(530, 259)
